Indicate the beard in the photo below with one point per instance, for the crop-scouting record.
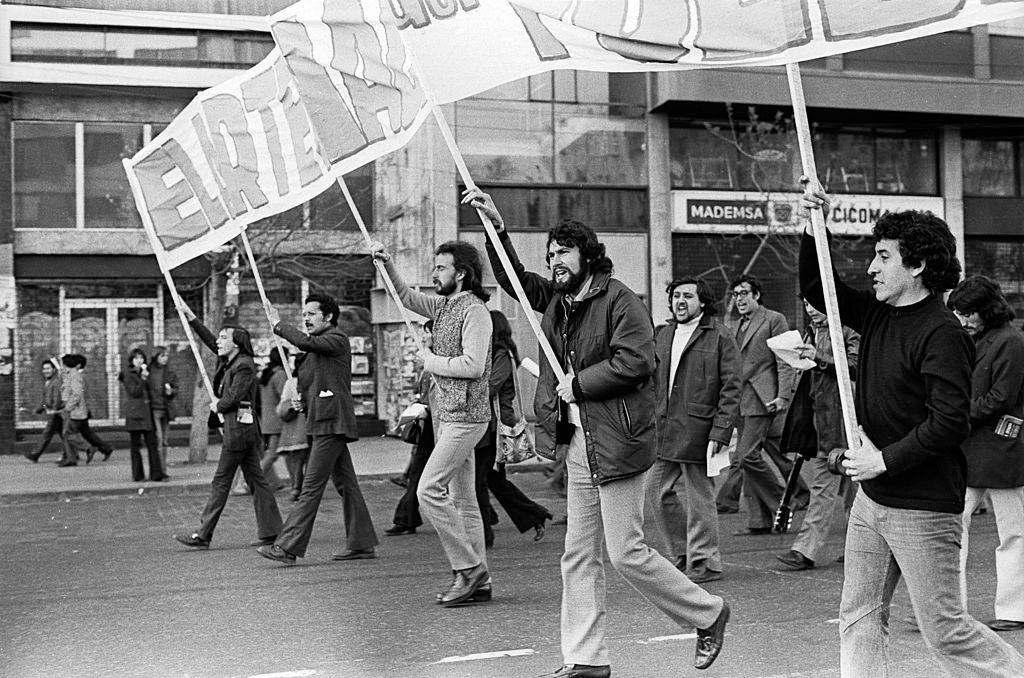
(574, 280)
(444, 289)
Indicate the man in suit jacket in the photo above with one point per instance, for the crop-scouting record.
(767, 383)
(698, 384)
(324, 374)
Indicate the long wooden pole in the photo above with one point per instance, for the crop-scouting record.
(517, 286)
(169, 279)
(828, 283)
(266, 300)
(406, 317)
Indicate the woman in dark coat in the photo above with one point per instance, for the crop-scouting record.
(138, 417)
(525, 513)
(994, 451)
(235, 390)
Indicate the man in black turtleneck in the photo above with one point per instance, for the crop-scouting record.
(913, 401)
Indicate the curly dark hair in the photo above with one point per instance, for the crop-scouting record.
(923, 239)
(982, 295)
(571, 233)
(328, 306)
(466, 259)
(753, 281)
(704, 294)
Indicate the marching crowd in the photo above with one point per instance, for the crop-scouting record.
(641, 420)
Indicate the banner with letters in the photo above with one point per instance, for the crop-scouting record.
(352, 80)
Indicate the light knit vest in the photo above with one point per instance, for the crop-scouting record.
(458, 399)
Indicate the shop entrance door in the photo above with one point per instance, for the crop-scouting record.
(105, 331)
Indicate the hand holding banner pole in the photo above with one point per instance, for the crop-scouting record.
(828, 283)
(517, 286)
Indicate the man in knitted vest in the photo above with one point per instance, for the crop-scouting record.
(460, 361)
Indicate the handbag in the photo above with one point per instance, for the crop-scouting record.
(515, 444)
(410, 431)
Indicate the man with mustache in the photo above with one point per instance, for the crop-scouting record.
(604, 410)
(324, 382)
(913, 404)
(460, 362)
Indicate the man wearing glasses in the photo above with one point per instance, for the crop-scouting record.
(767, 383)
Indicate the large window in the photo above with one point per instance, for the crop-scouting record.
(69, 175)
(942, 55)
(992, 167)
(762, 155)
(1002, 260)
(137, 46)
(546, 151)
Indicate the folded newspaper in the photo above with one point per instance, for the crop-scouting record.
(786, 346)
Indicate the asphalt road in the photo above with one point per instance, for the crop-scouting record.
(97, 587)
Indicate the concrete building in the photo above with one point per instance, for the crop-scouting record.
(675, 179)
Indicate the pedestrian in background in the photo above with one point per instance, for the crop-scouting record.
(51, 407)
(271, 385)
(293, 443)
(814, 427)
(995, 446)
(698, 381)
(492, 478)
(84, 428)
(74, 412)
(407, 514)
(138, 416)
(163, 387)
(235, 390)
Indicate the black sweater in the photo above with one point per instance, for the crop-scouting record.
(913, 391)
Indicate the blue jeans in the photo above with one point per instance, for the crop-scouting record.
(883, 544)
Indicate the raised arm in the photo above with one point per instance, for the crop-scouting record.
(204, 334)
(539, 289)
(329, 343)
(417, 302)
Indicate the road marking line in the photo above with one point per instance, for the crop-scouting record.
(487, 655)
(660, 639)
(287, 674)
(831, 621)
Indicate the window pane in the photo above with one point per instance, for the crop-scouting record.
(907, 164)
(845, 161)
(950, 54)
(1007, 53)
(701, 158)
(40, 42)
(44, 175)
(594, 148)
(1003, 261)
(542, 208)
(988, 167)
(108, 197)
(151, 47)
(506, 140)
(769, 157)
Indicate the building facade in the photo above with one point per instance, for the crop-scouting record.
(680, 173)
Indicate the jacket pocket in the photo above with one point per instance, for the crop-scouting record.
(627, 420)
(326, 407)
(700, 410)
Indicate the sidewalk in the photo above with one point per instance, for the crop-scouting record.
(22, 481)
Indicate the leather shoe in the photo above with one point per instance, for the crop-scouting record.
(705, 576)
(66, 462)
(753, 532)
(1005, 625)
(581, 671)
(277, 553)
(355, 554)
(466, 582)
(107, 452)
(728, 509)
(794, 560)
(482, 594)
(264, 541)
(34, 458)
(396, 530)
(709, 640)
(89, 454)
(193, 541)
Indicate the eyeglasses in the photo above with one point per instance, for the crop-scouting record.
(742, 294)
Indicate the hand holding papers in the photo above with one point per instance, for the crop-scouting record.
(791, 348)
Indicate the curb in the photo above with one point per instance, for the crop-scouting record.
(199, 487)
